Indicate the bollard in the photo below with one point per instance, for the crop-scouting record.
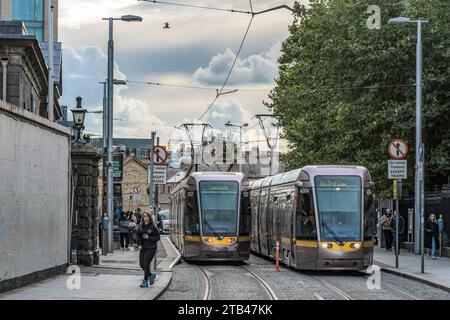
(277, 258)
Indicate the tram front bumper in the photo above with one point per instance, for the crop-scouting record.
(337, 257)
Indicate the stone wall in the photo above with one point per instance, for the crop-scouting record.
(34, 196)
(86, 211)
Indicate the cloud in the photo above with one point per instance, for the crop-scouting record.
(259, 68)
(231, 110)
(83, 68)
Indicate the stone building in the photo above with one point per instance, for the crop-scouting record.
(26, 70)
(135, 179)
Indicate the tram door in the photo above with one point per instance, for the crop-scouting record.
(180, 201)
(263, 225)
(256, 232)
(274, 221)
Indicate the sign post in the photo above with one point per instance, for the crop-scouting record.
(397, 170)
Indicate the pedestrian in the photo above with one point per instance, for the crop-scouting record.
(401, 229)
(124, 232)
(132, 226)
(385, 222)
(103, 228)
(138, 216)
(147, 238)
(432, 235)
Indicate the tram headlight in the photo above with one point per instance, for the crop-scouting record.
(208, 240)
(327, 245)
(231, 240)
(355, 245)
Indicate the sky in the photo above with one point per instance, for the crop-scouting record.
(197, 50)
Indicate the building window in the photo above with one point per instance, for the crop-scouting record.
(143, 154)
(31, 12)
(33, 104)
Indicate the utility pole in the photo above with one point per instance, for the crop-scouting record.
(110, 206)
(105, 116)
(269, 144)
(418, 183)
(51, 98)
(151, 192)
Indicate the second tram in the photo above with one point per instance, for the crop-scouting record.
(323, 217)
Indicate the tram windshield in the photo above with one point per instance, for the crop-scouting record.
(339, 206)
(219, 207)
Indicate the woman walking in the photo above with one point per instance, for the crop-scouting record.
(147, 238)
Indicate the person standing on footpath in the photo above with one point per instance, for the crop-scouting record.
(147, 238)
(124, 232)
(385, 222)
(432, 235)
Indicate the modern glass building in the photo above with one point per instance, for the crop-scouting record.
(31, 12)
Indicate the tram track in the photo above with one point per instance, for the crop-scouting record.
(331, 286)
(266, 287)
(396, 289)
(269, 292)
(207, 282)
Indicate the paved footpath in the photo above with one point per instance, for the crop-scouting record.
(116, 278)
(437, 272)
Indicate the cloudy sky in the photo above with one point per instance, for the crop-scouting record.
(197, 50)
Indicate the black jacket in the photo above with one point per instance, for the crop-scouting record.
(431, 231)
(153, 233)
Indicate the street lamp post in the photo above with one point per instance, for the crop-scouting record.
(79, 115)
(229, 124)
(419, 174)
(110, 77)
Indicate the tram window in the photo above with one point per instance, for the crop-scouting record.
(369, 215)
(245, 220)
(305, 220)
(191, 219)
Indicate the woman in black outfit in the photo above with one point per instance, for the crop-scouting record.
(147, 238)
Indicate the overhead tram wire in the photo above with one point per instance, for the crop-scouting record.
(251, 12)
(195, 87)
(231, 69)
(197, 6)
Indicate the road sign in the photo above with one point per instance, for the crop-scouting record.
(137, 189)
(397, 169)
(398, 149)
(159, 174)
(136, 198)
(160, 155)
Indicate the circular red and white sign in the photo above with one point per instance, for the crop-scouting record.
(398, 149)
(160, 155)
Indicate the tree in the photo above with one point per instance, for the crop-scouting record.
(344, 90)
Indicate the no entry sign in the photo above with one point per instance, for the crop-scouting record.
(398, 149)
(160, 155)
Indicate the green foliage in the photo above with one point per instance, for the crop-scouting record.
(329, 60)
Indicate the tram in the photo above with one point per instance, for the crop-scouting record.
(322, 217)
(212, 216)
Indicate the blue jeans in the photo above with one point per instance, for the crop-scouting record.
(433, 247)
